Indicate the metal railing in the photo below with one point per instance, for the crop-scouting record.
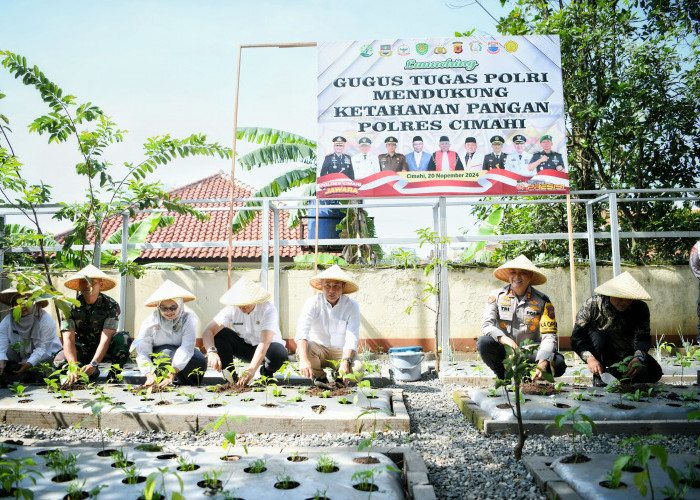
(272, 207)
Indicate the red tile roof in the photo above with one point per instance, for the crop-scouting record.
(188, 228)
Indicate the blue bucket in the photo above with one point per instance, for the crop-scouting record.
(406, 362)
(328, 219)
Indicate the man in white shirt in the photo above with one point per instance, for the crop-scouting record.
(365, 163)
(472, 161)
(248, 328)
(419, 159)
(519, 162)
(329, 326)
(445, 159)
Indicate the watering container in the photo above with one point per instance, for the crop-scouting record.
(406, 362)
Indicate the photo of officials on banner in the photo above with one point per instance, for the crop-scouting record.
(439, 117)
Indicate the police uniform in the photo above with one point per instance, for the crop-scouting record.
(492, 160)
(397, 162)
(530, 317)
(337, 164)
(518, 162)
(554, 161)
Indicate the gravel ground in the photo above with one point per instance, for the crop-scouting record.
(462, 462)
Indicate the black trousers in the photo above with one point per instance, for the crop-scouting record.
(698, 339)
(494, 353)
(604, 352)
(229, 344)
(186, 375)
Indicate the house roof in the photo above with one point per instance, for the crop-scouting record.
(188, 228)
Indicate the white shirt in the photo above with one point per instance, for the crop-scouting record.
(151, 335)
(477, 161)
(517, 163)
(38, 350)
(445, 161)
(364, 165)
(250, 326)
(332, 326)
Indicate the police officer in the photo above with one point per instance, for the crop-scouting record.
(365, 163)
(391, 160)
(497, 159)
(338, 162)
(519, 163)
(547, 159)
(518, 312)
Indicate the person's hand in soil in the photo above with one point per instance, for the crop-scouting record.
(344, 370)
(594, 366)
(633, 367)
(167, 380)
(246, 377)
(87, 370)
(305, 368)
(23, 367)
(150, 379)
(214, 361)
(540, 369)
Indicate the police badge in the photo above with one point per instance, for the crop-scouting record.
(422, 48)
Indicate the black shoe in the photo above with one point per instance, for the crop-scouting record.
(598, 382)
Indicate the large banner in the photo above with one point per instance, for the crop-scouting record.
(441, 116)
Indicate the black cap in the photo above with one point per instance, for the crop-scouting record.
(497, 139)
(444, 138)
(391, 140)
(339, 138)
(519, 139)
(364, 140)
(470, 139)
(417, 138)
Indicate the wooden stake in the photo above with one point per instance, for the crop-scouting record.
(233, 166)
(572, 265)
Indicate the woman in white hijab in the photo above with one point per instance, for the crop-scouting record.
(28, 342)
(172, 331)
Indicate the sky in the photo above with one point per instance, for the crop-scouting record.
(157, 67)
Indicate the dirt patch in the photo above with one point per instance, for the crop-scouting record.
(337, 391)
(539, 389)
(231, 388)
(576, 458)
(154, 389)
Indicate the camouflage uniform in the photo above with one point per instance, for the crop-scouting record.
(88, 321)
(610, 336)
(531, 318)
(695, 268)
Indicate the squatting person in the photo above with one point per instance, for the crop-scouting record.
(248, 329)
(519, 312)
(613, 325)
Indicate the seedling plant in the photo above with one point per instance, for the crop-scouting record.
(230, 435)
(580, 424)
(210, 478)
(185, 464)
(155, 485)
(18, 389)
(325, 464)
(13, 471)
(258, 466)
(120, 459)
(132, 473)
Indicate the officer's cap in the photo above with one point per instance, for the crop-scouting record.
(470, 139)
(519, 139)
(497, 139)
(364, 140)
(339, 139)
(391, 140)
(546, 138)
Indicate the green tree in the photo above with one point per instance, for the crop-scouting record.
(279, 147)
(109, 193)
(631, 75)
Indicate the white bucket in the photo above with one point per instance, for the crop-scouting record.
(406, 365)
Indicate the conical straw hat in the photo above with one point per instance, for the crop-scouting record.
(169, 291)
(91, 272)
(623, 286)
(244, 293)
(520, 262)
(335, 273)
(8, 294)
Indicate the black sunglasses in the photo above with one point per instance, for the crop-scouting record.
(166, 308)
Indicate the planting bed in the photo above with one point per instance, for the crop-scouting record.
(582, 480)
(295, 470)
(475, 373)
(664, 413)
(290, 410)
